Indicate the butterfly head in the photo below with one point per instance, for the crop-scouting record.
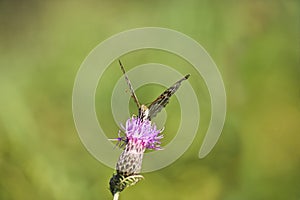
(143, 112)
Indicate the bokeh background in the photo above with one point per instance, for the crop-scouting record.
(256, 46)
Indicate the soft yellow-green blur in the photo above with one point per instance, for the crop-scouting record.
(256, 46)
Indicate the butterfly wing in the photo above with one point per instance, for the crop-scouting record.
(130, 86)
(158, 104)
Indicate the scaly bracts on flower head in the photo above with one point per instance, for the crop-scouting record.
(140, 135)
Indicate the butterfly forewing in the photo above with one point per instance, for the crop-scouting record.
(158, 104)
(133, 95)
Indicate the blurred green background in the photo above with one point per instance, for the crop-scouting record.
(256, 46)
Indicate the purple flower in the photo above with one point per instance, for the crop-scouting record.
(139, 136)
(143, 132)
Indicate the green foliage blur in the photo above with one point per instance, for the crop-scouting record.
(256, 46)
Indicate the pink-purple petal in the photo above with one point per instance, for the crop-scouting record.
(143, 132)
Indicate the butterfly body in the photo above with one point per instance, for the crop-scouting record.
(143, 112)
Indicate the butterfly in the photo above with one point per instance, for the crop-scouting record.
(149, 112)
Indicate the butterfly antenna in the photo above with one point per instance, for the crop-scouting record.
(130, 86)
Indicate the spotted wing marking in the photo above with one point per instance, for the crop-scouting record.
(158, 104)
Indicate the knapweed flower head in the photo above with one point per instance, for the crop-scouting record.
(139, 136)
(144, 132)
